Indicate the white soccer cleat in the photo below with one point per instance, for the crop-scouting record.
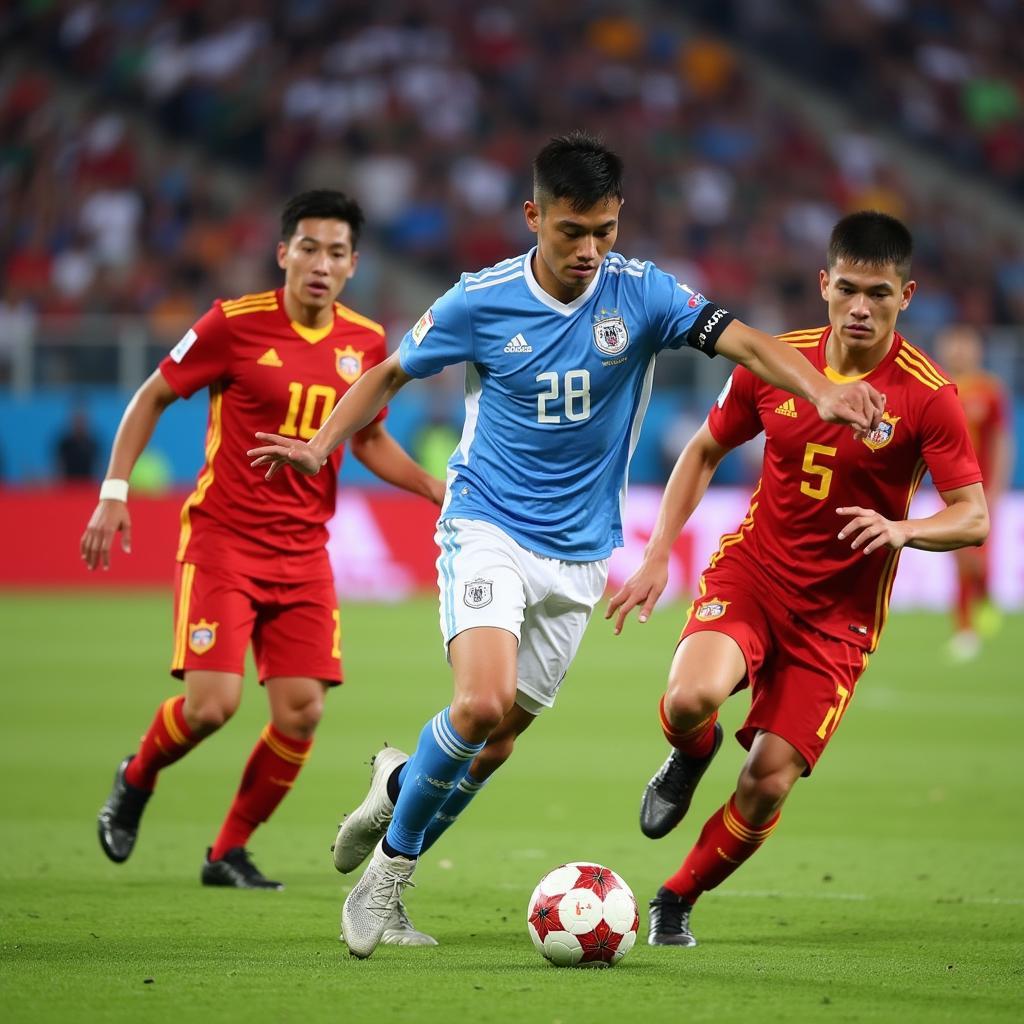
(360, 832)
(370, 905)
(400, 931)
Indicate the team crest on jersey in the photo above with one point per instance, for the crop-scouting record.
(202, 635)
(882, 434)
(349, 364)
(478, 593)
(611, 336)
(714, 608)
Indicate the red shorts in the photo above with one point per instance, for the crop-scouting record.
(295, 628)
(802, 681)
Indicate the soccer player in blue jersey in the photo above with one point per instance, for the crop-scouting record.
(559, 346)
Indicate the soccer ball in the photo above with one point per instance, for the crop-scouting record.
(582, 915)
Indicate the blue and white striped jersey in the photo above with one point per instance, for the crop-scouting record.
(555, 394)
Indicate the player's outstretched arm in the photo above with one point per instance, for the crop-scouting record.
(383, 456)
(689, 480)
(133, 433)
(962, 523)
(357, 407)
(857, 404)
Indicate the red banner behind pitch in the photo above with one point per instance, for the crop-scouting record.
(382, 544)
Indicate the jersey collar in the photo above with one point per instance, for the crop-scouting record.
(838, 378)
(565, 308)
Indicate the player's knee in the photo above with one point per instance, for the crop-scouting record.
(300, 720)
(686, 702)
(477, 714)
(206, 716)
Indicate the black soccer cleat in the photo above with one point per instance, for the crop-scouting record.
(669, 920)
(235, 870)
(118, 820)
(667, 796)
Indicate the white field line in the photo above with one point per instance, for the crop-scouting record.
(847, 897)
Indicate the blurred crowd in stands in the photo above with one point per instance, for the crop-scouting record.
(948, 74)
(111, 115)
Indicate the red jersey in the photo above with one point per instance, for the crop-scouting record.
(265, 373)
(789, 538)
(984, 401)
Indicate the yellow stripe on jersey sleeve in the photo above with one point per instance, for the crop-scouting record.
(916, 356)
(802, 339)
(257, 303)
(246, 300)
(357, 318)
(916, 372)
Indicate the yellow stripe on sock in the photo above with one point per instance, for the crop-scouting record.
(742, 832)
(283, 752)
(171, 723)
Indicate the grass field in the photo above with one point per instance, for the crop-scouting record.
(891, 891)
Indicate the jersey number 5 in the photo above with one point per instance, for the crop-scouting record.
(820, 489)
(319, 402)
(576, 392)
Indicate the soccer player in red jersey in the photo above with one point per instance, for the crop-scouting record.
(252, 562)
(794, 600)
(986, 407)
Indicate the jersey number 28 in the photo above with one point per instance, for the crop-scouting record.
(575, 395)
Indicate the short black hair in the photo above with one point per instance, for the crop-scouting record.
(873, 238)
(577, 167)
(323, 203)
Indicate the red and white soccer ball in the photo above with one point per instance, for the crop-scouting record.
(582, 915)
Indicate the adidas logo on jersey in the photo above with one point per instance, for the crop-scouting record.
(270, 358)
(518, 344)
(788, 408)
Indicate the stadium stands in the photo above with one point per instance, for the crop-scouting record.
(430, 113)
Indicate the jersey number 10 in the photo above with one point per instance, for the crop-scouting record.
(575, 395)
(319, 402)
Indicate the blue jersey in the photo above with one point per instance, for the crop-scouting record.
(555, 394)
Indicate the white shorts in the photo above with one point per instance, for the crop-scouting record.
(485, 578)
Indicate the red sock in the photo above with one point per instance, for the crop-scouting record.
(725, 842)
(167, 739)
(981, 586)
(272, 768)
(695, 742)
(964, 599)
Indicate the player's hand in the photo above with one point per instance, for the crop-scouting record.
(284, 451)
(110, 517)
(857, 404)
(643, 588)
(870, 530)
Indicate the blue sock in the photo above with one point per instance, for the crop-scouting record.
(439, 764)
(452, 808)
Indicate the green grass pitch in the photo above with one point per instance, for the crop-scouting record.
(892, 890)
